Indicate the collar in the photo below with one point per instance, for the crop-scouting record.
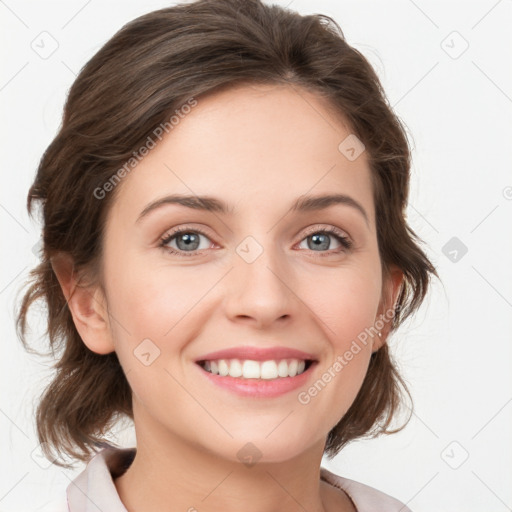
(93, 490)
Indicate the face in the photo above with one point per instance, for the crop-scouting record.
(261, 274)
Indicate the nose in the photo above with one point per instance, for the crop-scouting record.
(259, 289)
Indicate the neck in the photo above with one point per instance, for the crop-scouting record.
(171, 471)
(184, 477)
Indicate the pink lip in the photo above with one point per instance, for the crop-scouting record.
(257, 354)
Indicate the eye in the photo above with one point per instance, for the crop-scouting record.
(187, 241)
(320, 240)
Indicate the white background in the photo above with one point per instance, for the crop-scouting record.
(455, 354)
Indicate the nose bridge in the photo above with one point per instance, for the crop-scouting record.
(259, 285)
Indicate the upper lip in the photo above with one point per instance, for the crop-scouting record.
(257, 354)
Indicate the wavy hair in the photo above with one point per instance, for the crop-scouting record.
(144, 73)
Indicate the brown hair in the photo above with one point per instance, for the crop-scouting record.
(143, 74)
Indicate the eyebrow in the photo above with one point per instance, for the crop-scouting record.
(212, 204)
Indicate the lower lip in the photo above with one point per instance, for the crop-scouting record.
(259, 387)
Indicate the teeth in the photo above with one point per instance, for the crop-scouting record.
(235, 368)
(223, 368)
(271, 370)
(249, 369)
(282, 369)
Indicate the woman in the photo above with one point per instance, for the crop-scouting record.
(225, 259)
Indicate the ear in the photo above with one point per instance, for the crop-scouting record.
(87, 305)
(391, 290)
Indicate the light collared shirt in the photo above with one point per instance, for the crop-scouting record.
(93, 490)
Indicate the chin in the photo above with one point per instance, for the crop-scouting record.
(279, 446)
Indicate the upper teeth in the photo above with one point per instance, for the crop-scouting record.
(249, 369)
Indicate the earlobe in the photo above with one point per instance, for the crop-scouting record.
(87, 305)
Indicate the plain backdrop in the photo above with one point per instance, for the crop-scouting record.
(446, 68)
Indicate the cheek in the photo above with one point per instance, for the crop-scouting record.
(346, 303)
(144, 299)
(146, 309)
(155, 312)
(346, 308)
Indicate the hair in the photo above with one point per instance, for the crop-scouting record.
(148, 70)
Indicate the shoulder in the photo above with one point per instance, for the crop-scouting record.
(58, 505)
(364, 497)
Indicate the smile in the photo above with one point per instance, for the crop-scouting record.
(258, 379)
(250, 369)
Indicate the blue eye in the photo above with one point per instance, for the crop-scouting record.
(188, 241)
(320, 239)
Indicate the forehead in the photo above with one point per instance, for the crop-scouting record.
(254, 146)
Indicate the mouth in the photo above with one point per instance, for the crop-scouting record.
(249, 369)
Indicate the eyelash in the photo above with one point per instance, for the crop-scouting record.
(346, 243)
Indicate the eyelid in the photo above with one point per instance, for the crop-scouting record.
(187, 227)
(329, 228)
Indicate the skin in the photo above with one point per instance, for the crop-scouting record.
(258, 148)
